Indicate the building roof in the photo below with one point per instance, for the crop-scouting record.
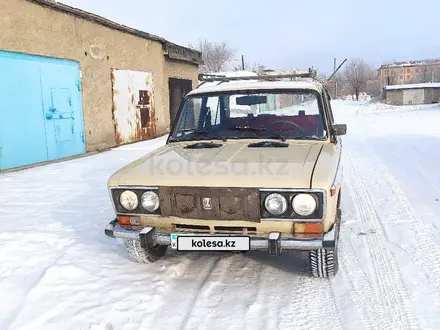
(412, 86)
(172, 50)
(239, 85)
(410, 63)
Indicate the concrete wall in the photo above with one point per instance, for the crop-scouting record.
(34, 29)
(413, 96)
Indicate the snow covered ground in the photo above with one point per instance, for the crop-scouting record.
(59, 271)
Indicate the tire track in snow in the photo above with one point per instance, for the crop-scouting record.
(427, 249)
(23, 300)
(235, 284)
(360, 290)
(350, 270)
(332, 314)
(199, 290)
(169, 304)
(300, 304)
(392, 301)
(268, 298)
(428, 177)
(310, 305)
(257, 309)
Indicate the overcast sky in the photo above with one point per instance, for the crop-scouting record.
(284, 34)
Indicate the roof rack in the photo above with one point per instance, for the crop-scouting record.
(222, 78)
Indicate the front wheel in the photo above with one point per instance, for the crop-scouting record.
(324, 263)
(146, 256)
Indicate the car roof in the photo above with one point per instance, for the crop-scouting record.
(237, 85)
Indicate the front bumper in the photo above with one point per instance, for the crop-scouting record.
(273, 243)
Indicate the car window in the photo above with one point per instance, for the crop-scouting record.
(259, 114)
(213, 105)
(278, 104)
(190, 115)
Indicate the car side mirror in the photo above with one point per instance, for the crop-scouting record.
(339, 129)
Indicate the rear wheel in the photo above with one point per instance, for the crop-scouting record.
(146, 256)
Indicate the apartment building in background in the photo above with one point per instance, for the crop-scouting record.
(410, 72)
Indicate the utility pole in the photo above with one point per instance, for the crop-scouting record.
(242, 61)
(340, 65)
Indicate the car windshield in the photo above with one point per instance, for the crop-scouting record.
(251, 115)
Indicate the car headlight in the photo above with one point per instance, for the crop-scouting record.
(129, 200)
(150, 201)
(304, 204)
(275, 204)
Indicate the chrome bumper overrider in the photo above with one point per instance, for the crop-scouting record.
(274, 242)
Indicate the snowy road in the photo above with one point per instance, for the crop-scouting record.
(59, 271)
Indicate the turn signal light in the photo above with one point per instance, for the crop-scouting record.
(129, 222)
(308, 228)
(124, 220)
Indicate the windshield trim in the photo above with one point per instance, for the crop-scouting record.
(321, 105)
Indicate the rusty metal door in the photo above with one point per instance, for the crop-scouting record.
(133, 106)
(178, 89)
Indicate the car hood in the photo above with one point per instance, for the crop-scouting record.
(233, 164)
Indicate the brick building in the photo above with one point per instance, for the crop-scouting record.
(410, 72)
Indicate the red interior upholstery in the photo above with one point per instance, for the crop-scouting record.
(309, 123)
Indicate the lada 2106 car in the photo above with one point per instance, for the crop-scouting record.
(250, 163)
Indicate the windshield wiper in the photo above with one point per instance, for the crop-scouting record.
(200, 132)
(203, 145)
(269, 144)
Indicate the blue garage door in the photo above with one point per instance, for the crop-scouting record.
(41, 114)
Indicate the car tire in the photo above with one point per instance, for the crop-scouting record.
(145, 256)
(324, 262)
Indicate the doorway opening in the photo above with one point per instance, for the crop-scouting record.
(178, 89)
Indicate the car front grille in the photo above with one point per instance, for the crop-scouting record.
(210, 203)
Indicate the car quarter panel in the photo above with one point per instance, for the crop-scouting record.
(328, 173)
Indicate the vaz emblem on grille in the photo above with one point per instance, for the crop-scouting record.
(207, 203)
